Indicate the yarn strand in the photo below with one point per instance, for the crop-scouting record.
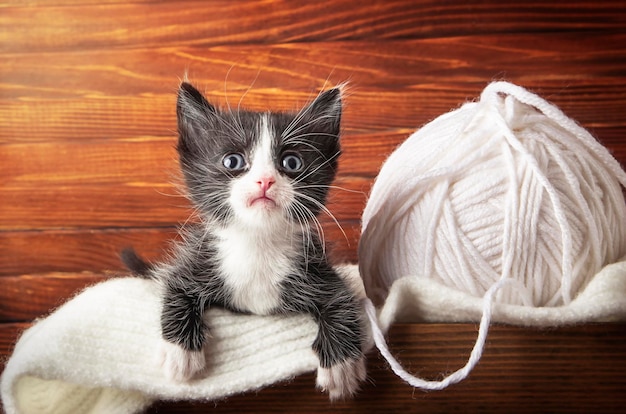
(457, 376)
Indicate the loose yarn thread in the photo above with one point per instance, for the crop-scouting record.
(506, 192)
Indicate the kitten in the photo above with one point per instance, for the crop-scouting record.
(258, 181)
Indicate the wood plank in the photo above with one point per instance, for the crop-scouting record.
(75, 26)
(39, 252)
(109, 205)
(9, 333)
(26, 297)
(74, 206)
(150, 161)
(87, 94)
(97, 250)
(571, 369)
(306, 67)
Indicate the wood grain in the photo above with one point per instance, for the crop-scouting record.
(94, 250)
(40, 252)
(54, 26)
(106, 206)
(305, 67)
(571, 370)
(88, 166)
(372, 110)
(97, 95)
(130, 153)
(25, 297)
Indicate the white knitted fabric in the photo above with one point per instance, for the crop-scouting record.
(96, 354)
(424, 300)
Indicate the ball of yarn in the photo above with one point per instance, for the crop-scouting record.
(506, 188)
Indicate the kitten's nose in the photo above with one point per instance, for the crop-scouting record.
(266, 182)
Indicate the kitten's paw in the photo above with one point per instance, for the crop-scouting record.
(180, 364)
(342, 380)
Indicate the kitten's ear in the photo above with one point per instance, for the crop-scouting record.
(195, 116)
(325, 111)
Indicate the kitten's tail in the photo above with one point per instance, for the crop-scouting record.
(135, 263)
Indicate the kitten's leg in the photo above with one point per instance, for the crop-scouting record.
(184, 331)
(339, 346)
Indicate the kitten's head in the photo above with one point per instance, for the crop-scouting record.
(258, 168)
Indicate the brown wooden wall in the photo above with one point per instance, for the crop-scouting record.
(87, 160)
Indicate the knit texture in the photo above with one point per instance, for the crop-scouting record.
(97, 354)
(412, 300)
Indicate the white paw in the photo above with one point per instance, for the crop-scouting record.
(180, 364)
(342, 380)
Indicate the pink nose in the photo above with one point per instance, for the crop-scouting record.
(266, 182)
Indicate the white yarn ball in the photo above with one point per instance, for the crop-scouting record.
(504, 188)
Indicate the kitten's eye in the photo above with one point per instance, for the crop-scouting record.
(234, 161)
(292, 163)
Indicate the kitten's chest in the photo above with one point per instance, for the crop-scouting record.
(253, 268)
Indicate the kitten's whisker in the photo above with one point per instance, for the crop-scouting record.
(312, 220)
(300, 115)
(234, 127)
(314, 120)
(334, 187)
(312, 147)
(237, 128)
(324, 209)
(288, 132)
(307, 237)
(246, 92)
(291, 139)
(177, 194)
(220, 210)
(327, 80)
(307, 174)
(225, 86)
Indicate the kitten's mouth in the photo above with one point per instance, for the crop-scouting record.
(263, 201)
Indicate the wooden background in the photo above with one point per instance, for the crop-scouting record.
(87, 160)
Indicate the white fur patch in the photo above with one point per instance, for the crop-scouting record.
(251, 204)
(254, 252)
(341, 381)
(253, 265)
(180, 364)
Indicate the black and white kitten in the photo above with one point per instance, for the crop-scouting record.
(258, 181)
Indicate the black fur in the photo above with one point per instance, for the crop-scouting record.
(191, 286)
(320, 292)
(135, 263)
